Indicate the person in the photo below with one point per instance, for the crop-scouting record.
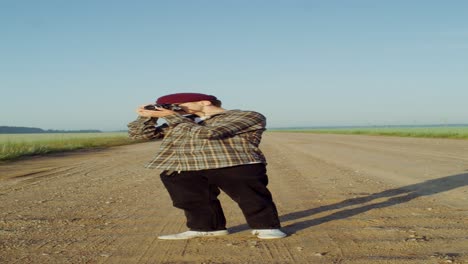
(205, 149)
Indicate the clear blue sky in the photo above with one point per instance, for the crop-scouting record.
(88, 64)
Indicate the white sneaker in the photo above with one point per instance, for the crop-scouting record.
(193, 234)
(268, 233)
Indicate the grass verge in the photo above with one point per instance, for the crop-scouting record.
(15, 146)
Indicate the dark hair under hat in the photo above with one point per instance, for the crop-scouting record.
(184, 98)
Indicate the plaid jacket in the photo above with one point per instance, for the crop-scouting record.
(226, 139)
(145, 128)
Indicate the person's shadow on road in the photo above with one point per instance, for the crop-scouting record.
(395, 196)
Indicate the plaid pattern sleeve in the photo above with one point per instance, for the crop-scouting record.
(227, 139)
(240, 122)
(145, 128)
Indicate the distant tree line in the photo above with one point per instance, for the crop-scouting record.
(33, 130)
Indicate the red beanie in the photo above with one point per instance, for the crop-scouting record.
(184, 98)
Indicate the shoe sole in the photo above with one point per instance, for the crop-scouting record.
(217, 233)
(271, 237)
(255, 233)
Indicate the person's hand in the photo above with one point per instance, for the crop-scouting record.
(162, 112)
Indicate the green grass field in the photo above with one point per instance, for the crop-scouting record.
(454, 132)
(16, 145)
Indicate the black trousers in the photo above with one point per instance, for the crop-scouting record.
(196, 192)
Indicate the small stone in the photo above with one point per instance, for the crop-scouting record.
(299, 248)
(228, 244)
(429, 209)
(253, 243)
(422, 238)
(105, 255)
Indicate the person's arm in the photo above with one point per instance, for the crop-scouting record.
(145, 128)
(241, 122)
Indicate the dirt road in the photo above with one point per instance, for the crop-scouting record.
(342, 199)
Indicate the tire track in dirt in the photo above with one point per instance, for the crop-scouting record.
(399, 149)
(392, 167)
